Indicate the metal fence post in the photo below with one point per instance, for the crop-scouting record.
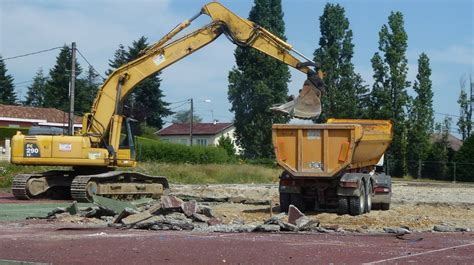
(454, 169)
(419, 168)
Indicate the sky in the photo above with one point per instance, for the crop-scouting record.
(443, 29)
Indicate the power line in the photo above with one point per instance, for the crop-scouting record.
(23, 82)
(446, 114)
(83, 57)
(31, 53)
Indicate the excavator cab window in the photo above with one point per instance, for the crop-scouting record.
(126, 138)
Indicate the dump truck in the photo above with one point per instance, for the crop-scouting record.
(335, 166)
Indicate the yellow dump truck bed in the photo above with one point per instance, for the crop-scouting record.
(323, 150)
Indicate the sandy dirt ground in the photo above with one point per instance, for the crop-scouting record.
(417, 205)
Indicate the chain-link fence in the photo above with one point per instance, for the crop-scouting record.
(436, 170)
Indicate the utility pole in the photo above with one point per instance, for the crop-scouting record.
(191, 121)
(71, 89)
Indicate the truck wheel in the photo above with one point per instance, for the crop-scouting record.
(298, 201)
(284, 202)
(357, 204)
(385, 206)
(343, 205)
(368, 198)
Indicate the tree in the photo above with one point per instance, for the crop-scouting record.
(465, 108)
(7, 88)
(421, 116)
(256, 83)
(145, 103)
(465, 160)
(36, 91)
(88, 91)
(227, 144)
(343, 86)
(389, 97)
(57, 86)
(184, 116)
(440, 152)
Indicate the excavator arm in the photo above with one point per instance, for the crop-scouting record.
(105, 118)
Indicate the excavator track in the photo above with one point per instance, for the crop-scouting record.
(84, 186)
(19, 188)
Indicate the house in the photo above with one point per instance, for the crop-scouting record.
(203, 133)
(454, 142)
(25, 117)
(13, 118)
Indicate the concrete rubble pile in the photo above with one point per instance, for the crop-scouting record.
(172, 213)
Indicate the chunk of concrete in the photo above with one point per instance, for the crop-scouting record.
(305, 223)
(294, 214)
(275, 219)
(397, 230)
(200, 217)
(267, 228)
(284, 226)
(135, 218)
(149, 222)
(125, 213)
(214, 221)
(171, 202)
(73, 209)
(444, 228)
(189, 208)
(114, 205)
(206, 210)
(155, 208)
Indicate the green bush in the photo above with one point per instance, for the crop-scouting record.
(150, 150)
(7, 132)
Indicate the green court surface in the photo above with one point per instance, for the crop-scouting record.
(20, 211)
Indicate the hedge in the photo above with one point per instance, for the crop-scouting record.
(8, 132)
(151, 150)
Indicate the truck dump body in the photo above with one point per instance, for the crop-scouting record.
(324, 150)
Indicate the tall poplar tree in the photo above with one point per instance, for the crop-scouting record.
(465, 111)
(421, 117)
(389, 97)
(145, 103)
(343, 85)
(256, 83)
(36, 91)
(7, 88)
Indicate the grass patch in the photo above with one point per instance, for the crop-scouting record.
(176, 173)
(211, 173)
(8, 171)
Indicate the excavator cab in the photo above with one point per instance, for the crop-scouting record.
(307, 105)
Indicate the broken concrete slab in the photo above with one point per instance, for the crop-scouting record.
(135, 218)
(200, 217)
(214, 221)
(73, 209)
(275, 219)
(225, 228)
(284, 226)
(155, 208)
(267, 228)
(397, 230)
(444, 228)
(304, 223)
(171, 202)
(189, 208)
(125, 213)
(294, 214)
(149, 222)
(111, 204)
(206, 210)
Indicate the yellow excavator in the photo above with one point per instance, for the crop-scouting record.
(105, 141)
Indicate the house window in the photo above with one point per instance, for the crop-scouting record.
(183, 141)
(202, 141)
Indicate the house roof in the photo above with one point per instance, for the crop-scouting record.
(454, 142)
(198, 128)
(35, 114)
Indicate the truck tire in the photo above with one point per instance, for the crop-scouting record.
(385, 206)
(343, 205)
(284, 202)
(298, 201)
(368, 197)
(357, 204)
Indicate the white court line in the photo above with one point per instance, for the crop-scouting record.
(419, 254)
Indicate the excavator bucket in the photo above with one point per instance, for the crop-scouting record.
(306, 106)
